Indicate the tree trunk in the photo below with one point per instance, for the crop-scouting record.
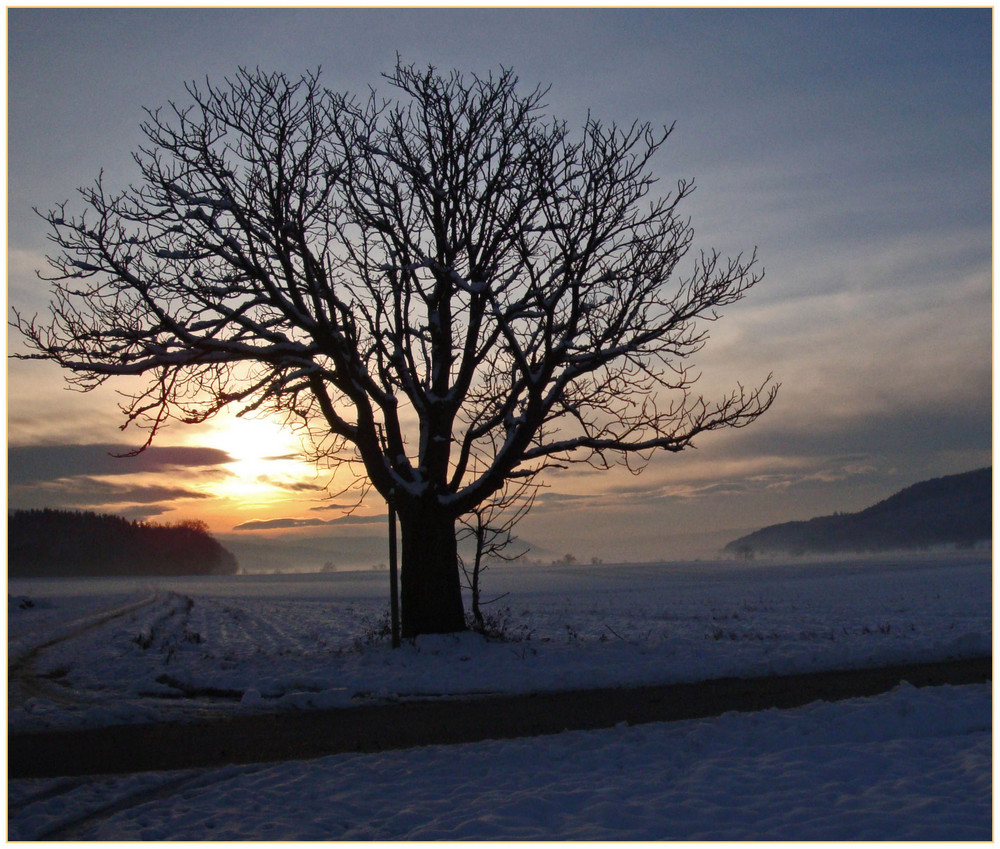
(429, 580)
(477, 614)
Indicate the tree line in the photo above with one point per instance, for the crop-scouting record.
(65, 544)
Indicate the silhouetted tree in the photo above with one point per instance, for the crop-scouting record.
(490, 527)
(495, 294)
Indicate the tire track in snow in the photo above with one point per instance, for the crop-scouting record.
(23, 680)
(162, 625)
(69, 828)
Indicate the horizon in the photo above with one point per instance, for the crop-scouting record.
(319, 554)
(818, 136)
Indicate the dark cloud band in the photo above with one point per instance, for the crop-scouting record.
(35, 463)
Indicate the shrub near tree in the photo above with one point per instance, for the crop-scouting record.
(446, 290)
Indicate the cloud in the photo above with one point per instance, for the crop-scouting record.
(358, 520)
(87, 490)
(549, 500)
(85, 493)
(291, 522)
(549, 497)
(36, 463)
(335, 506)
(104, 492)
(143, 513)
(897, 436)
(290, 486)
(273, 524)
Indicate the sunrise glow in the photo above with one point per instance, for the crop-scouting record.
(266, 462)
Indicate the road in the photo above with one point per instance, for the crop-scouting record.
(254, 738)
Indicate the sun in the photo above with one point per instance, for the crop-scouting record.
(250, 440)
(266, 459)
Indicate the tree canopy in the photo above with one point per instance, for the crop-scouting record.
(447, 290)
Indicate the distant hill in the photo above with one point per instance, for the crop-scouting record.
(950, 511)
(67, 544)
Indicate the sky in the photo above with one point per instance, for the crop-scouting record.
(852, 148)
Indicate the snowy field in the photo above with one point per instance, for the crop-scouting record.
(912, 764)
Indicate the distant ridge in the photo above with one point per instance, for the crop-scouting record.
(951, 511)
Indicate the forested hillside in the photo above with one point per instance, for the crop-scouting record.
(949, 511)
(63, 544)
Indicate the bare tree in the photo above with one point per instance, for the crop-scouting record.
(490, 527)
(451, 268)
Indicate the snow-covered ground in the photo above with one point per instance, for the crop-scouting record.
(912, 764)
